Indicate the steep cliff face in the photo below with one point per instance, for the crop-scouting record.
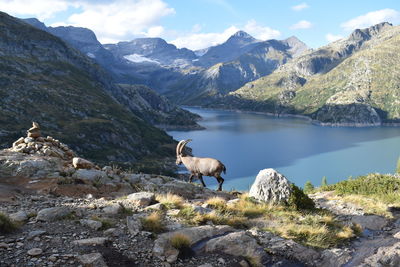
(43, 79)
(353, 81)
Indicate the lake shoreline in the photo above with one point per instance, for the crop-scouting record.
(304, 117)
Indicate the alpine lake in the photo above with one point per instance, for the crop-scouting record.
(248, 142)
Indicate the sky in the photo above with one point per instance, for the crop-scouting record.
(198, 24)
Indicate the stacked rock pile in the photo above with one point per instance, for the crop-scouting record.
(34, 143)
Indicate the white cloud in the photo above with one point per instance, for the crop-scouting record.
(114, 20)
(42, 9)
(331, 37)
(259, 31)
(122, 19)
(372, 18)
(302, 24)
(155, 31)
(196, 41)
(300, 7)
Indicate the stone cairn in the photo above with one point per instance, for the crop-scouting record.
(34, 143)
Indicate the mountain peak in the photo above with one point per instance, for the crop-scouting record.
(242, 34)
(368, 33)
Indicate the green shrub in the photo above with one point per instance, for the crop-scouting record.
(300, 201)
(308, 187)
(6, 225)
(398, 166)
(384, 187)
(324, 182)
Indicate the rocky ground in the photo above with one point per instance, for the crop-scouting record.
(71, 212)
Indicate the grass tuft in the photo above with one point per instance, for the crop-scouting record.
(180, 241)
(6, 224)
(154, 223)
(170, 201)
(217, 203)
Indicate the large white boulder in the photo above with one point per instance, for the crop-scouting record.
(271, 186)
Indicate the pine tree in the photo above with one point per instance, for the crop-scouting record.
(324, 182)
(398, 166)
(308, 187)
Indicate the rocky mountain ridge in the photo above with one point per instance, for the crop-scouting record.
(341, 79)
(180, 74)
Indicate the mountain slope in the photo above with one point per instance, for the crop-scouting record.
(262, 58)
(154, 50)
(238, 44)
(349, 82)
(45, 80)
(147, 108)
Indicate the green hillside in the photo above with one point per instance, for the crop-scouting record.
(43, 79)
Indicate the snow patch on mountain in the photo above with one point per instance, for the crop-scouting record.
(139, 58)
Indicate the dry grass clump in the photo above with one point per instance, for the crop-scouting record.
(154, 223)
(170, 201)
(316, 230)
(369, 204)
(248, 207)
(217, 203)
(180, 241)
(6, 224)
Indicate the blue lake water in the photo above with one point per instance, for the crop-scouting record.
(248, 142)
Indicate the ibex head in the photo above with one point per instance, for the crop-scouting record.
(179, 148)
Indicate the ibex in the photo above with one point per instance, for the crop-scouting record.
(200, 166)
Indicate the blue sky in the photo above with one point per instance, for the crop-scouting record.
(198, 24)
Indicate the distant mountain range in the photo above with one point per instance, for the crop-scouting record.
(184, 76)
(353, 82)
(333, 85)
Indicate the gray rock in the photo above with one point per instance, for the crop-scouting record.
(80, 163)
(52, 214)
(201, 210)
(372, 222)
(162, 246)
(334, 257)
(271, 186)
(92, 224)
(35, 252)
(134, 223)
(92, 260)
(112, 232)
(397, 235)
(237, 243)
(285, 247)
(19, 216)
(112, 209)
(133, 178)
(91, 175)
(142, 199)
(35, 233)
(91, 241)
(384, 256)
(157, 206)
